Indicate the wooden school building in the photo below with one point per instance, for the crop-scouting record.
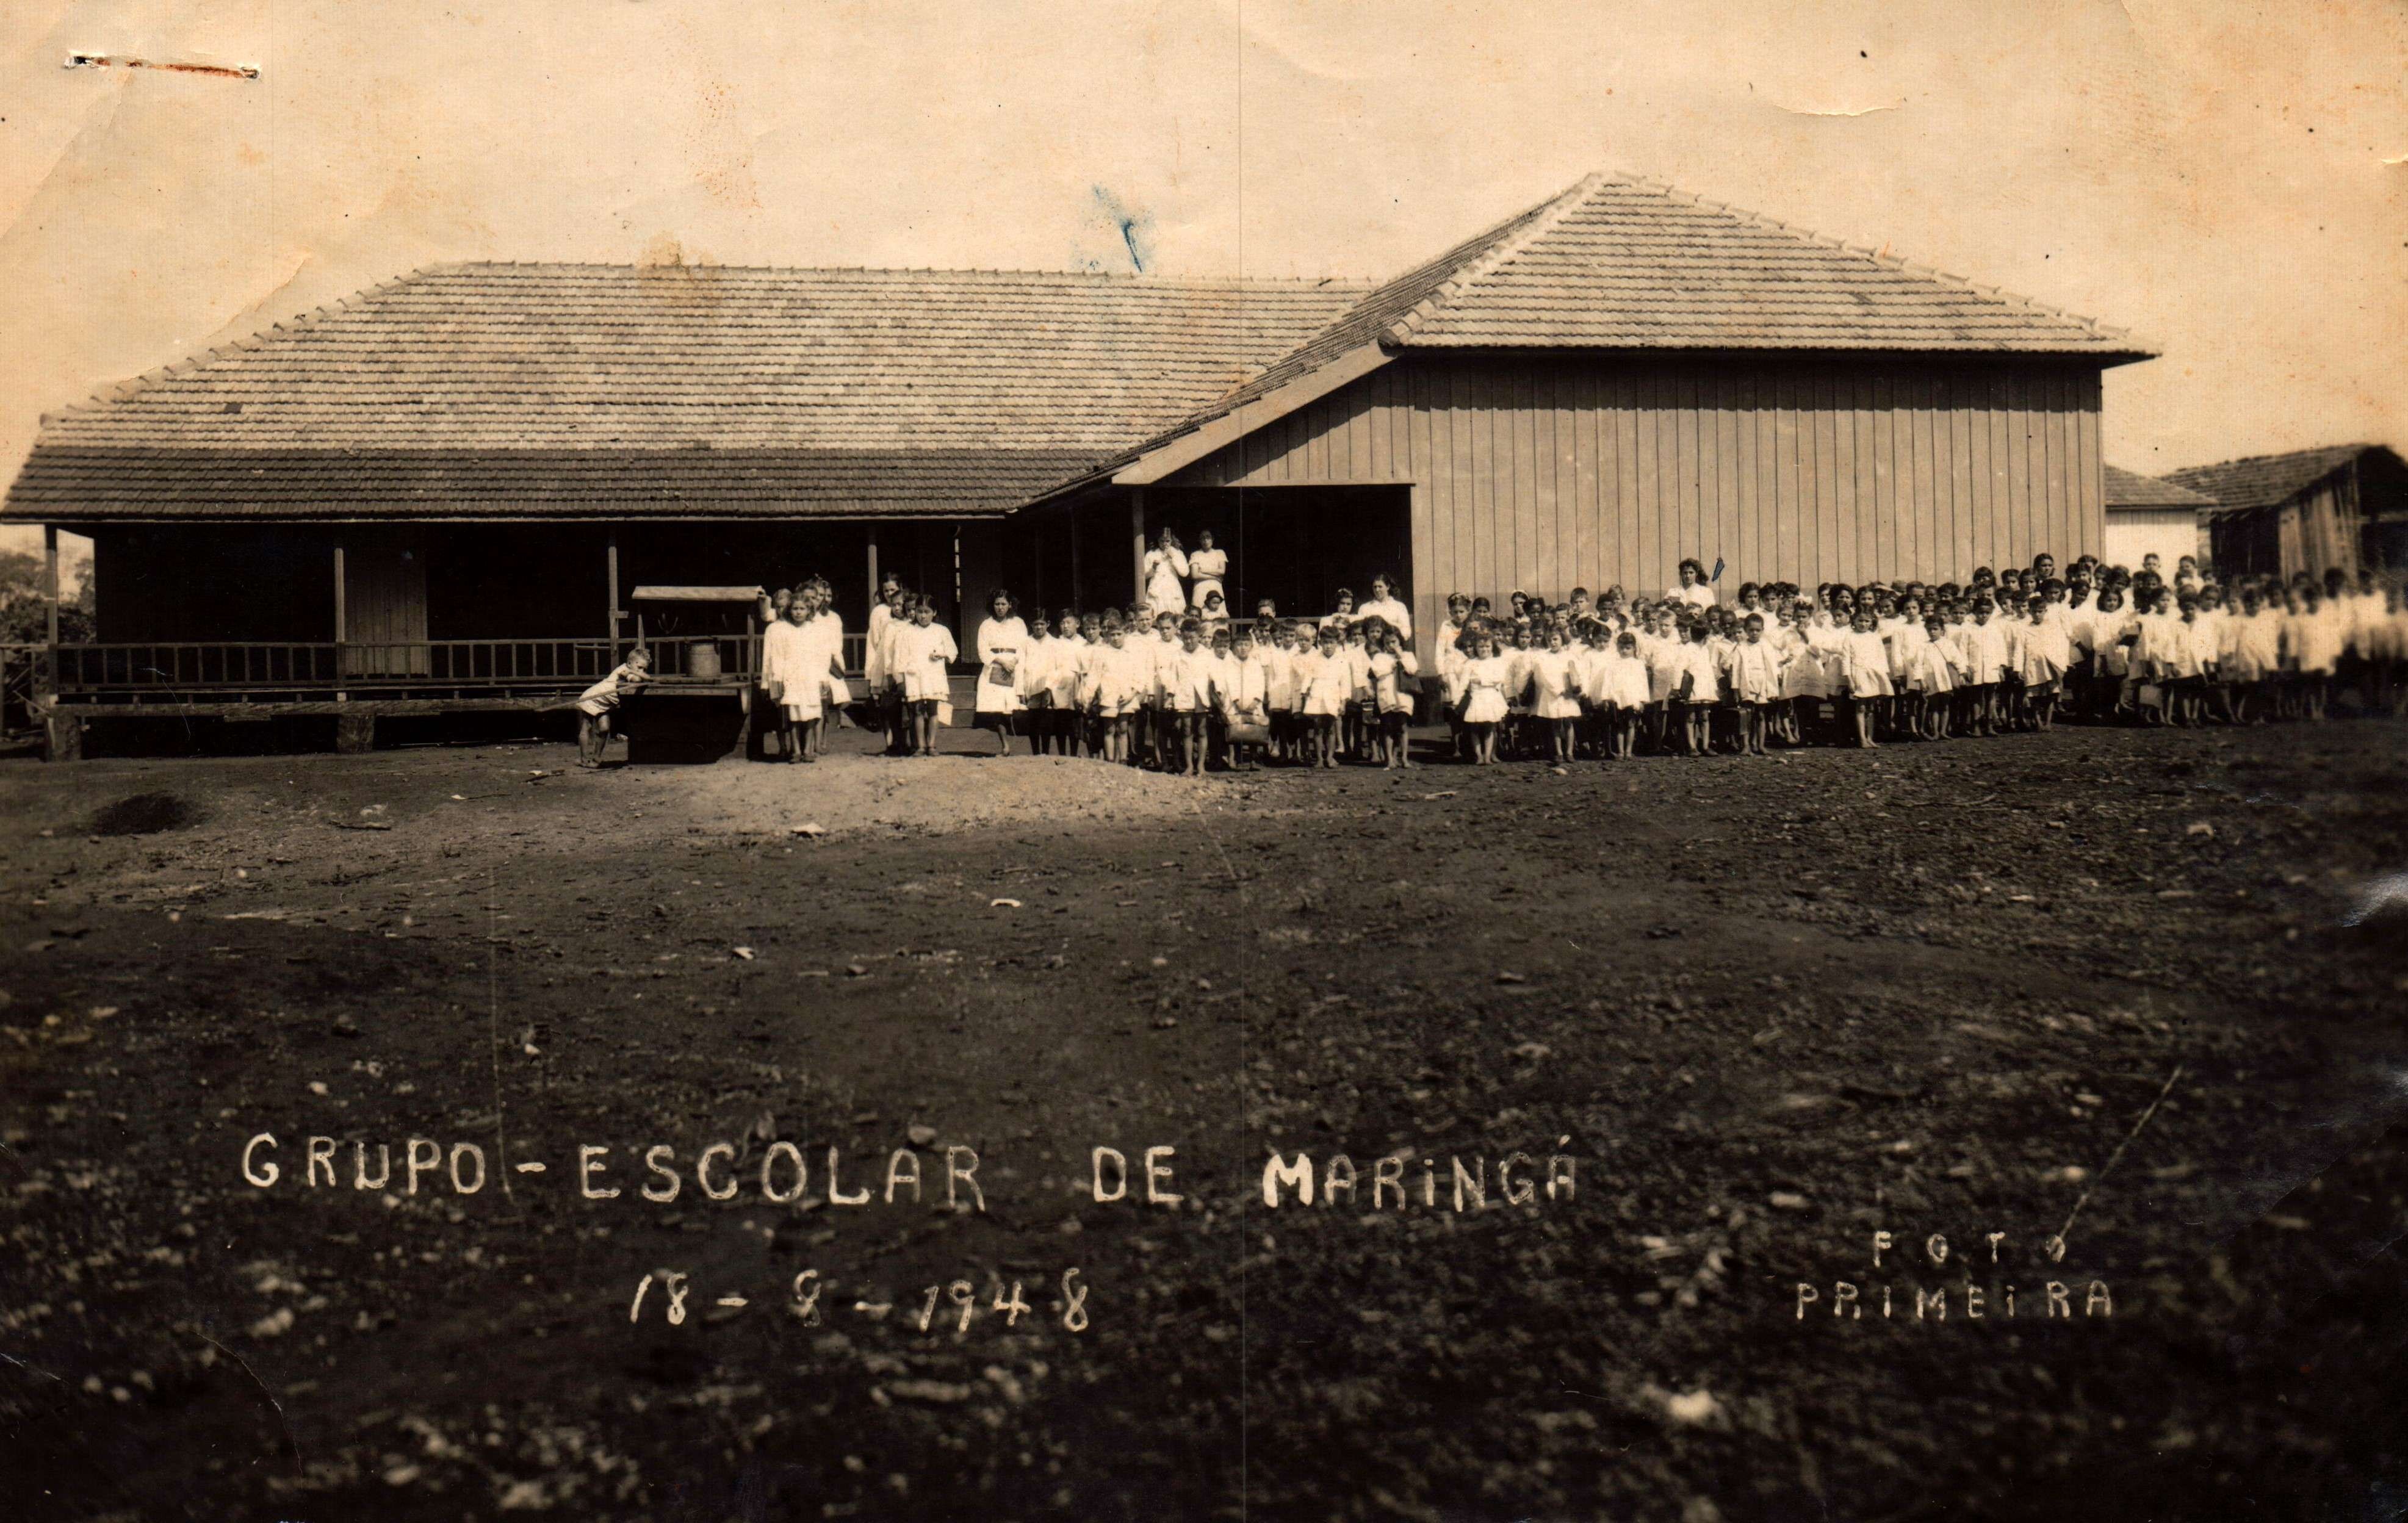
(435, 494)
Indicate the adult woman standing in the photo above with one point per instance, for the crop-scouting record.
(1166, 578)
(1208, 566)
(1002, 645)
(1386, 607)
(1693, 589)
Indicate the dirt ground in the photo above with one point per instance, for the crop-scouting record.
(2146, 985)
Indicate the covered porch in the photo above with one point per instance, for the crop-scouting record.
(354, 622)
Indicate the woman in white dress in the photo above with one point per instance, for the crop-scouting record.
(1166, 578)
(1384, 606)
(1208, 566)
(1692, 588)
(1002, 646)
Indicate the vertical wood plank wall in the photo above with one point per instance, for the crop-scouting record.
(1544, 474)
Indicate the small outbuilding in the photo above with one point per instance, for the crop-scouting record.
(2149, 516)
(2315, 511)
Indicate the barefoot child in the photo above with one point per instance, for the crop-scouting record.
(1485, 677)
(1554, 695)
(1241, 697)
(1394, 671)
(1324, 684)
(595, 704)
(1865, 674)
(922, 650)
(1755, 683)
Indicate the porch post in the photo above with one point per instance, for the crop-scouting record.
(62, 730)
(611, 554)
(873, 570)
(342, 628)
(1136, 543)
(50, 585)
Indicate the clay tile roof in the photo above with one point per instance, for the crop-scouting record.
(565, 388)
(1621, 263)
(2260, 481)
(2130, 488)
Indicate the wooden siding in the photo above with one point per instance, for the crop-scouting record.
(1544, 473)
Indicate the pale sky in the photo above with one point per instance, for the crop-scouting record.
(2229, 178)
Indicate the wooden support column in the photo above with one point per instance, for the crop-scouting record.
(1136, 543)
(342, 623)
(610, 552)
(873, 569)
(50, 583)
(62, 733)
(1077, 582)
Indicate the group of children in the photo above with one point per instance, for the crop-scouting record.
(1612, 676)
(2009, 651)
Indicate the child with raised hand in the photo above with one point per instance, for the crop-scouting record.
(1755, 683)
(1394, 667)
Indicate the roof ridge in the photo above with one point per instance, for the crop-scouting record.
(1879, 255)
(2280, 455)
(1496, 255)
(1106, 277)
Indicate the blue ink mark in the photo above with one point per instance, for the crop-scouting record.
(1135, 227)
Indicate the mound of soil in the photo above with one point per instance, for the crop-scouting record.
(143, 814)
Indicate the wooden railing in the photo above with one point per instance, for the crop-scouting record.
(24, 670)
(262, 665)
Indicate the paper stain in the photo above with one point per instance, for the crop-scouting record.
(1862, 110)
(104, 61)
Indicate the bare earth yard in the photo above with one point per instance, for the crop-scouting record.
(2150, 983)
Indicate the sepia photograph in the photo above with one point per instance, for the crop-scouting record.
(1403, 989)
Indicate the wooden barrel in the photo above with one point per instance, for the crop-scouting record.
(702, 661)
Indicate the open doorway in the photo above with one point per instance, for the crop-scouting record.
(1295, 545)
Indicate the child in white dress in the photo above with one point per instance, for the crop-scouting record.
(921, 650)
(1554, 695)
(1484, 706)
(1864, 674)
(1324, 684)
(1755, 683)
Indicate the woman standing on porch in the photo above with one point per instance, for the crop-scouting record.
(1166, 578)
(1002, 646)
(1208, 566)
